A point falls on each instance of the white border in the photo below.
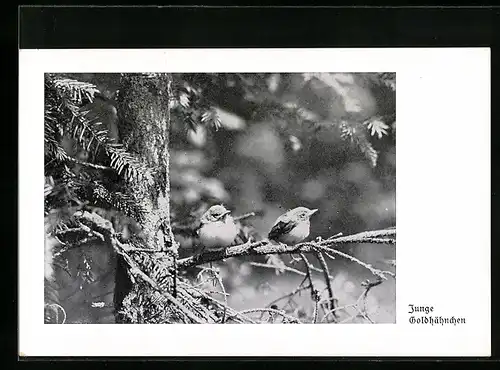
(443, 207)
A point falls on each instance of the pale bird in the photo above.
(217, 228)
(293, 226)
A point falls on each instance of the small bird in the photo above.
(217, 228)
(293, 226)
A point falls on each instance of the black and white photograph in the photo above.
(232, 165)
(220, 198)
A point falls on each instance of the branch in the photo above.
(291, 294)
(284, 268)
(368, 285)
(135, 270)
(244, 216)
(379, 273)
(271, 310)
(195, 306)
(233, 313)
(314, 292)
(88, 164)
(103, 228)
(326, 273)
(106, 228)
(216, 275)
(264, 247)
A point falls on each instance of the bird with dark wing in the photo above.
(293, 226)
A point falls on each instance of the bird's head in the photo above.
(215, 213)
(302, 213)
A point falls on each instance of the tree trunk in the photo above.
(144, 122)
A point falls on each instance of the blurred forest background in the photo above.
(266, 143)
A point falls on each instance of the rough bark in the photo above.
(144, 122)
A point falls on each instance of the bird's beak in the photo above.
(312, 211)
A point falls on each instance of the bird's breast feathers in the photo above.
(218, 233)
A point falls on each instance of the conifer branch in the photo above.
(264, 247)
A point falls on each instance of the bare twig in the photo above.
(379, 241)
(315, 312)
(217, 277)
(368, 286)
(318, 270)
(281, 313)
(217, 292)
(309, 277)
(331, 312)
(284, 268)
(361, 311)
(300, 273)
(88, 164)
(324, 266)
(291, 294)
(328, 255)
(374, 271)
(243, 216)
